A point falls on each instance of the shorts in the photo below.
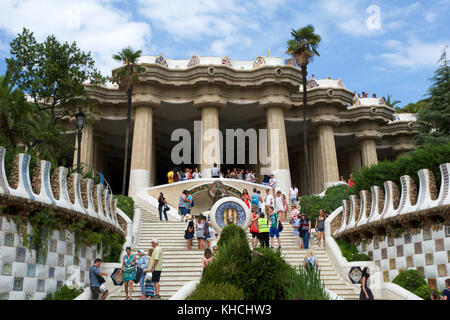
(255, 234)
(156, 275)
(320, 229)
(183, 211)
(274, 232)
(189, 236)
(97, 290)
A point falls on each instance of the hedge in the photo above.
(412, 281)
(350, 252)
(422, 158)
(126, 204)
(311, 204)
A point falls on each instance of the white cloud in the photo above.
(96, 26)
(414, 54)
(225, 24)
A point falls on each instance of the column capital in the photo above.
(209, 101)
(149, 104)
(275, 102)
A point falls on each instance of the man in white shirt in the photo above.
(293, 195)
(268, 200)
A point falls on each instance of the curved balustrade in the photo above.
(59, 192)
(378, 207)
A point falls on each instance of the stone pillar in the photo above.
(329, 165)
(355, 161)
(141, 154)
(210, 142)
(87, 146)
(279, 160)
(369, 152)
(153, 167)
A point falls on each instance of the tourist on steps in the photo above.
(183, 204)
(245, 197)
(263, 227)
(156, 264)
(207, 235)
(128, 272)
(94, 280)
(254, 227)
(200, 234)
(366, 293)
(268, 200)
(306, 230)
(320, 227)
(295, 223)
(215, 172)
(311, 262)
(142, 263)
(161, 206)
(207, 258)
(189, 232)
(274, 227)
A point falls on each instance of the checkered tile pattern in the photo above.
(21, 278)
(428, 252)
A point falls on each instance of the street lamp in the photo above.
(80, 117)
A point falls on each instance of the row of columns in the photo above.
(322, 150)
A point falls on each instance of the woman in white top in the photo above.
(196, 174)
(279, 203)
(268, 200)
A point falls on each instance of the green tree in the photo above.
(52, 74)
(389, 102)
(126, 76)
(414, 107)
(303, 47)
(436, 118)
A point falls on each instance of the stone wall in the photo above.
(22, 278)
(427, 251)
(403, 229)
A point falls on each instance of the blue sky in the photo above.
(396, 56)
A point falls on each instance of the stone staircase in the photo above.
(181, 265)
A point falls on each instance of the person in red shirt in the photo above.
(350, 181)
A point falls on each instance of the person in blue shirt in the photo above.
(95, 285)
(142, 263)
(446, 292)
(256, 198)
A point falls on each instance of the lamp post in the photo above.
(80, 117)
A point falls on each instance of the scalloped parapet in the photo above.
(75, 194)
(444, 194)
(377, 209)
(364, 208)
(377, 203)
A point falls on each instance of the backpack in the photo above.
(255, 199)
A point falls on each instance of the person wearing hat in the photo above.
(142, 263)
(156, 264)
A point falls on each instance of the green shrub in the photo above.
(65, 293)
(230, 231)
(422, 158)
(217, 291)
(310, 204)
(411, 281)
(424, 292)
(350, 252)
(126, 204)
(305, 285)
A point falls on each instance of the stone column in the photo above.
(355, 160)
(279, 160)
(329, 166)
(369, 152)
(87, 146)
(153, 167)
(210, 142)
(141, 154)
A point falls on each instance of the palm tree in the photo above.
(390, 103)
(303, 47)
(126, 76)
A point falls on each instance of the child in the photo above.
(207, 258)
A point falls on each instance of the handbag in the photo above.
(101, 280)
(139, 273)
(116, 277)
(166, 207)
(280, 227)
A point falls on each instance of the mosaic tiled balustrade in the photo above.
(402, 230)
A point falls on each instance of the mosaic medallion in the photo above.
(355, 274)
(226, 61)
(40, 285)
(31, 270)
(340, 83)
(311, 83)
(7, 268)
(161, 60)
(9, 239)
(259, 62)
(20, 254)
(18, 284)
(193, 61)
(230, 212)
